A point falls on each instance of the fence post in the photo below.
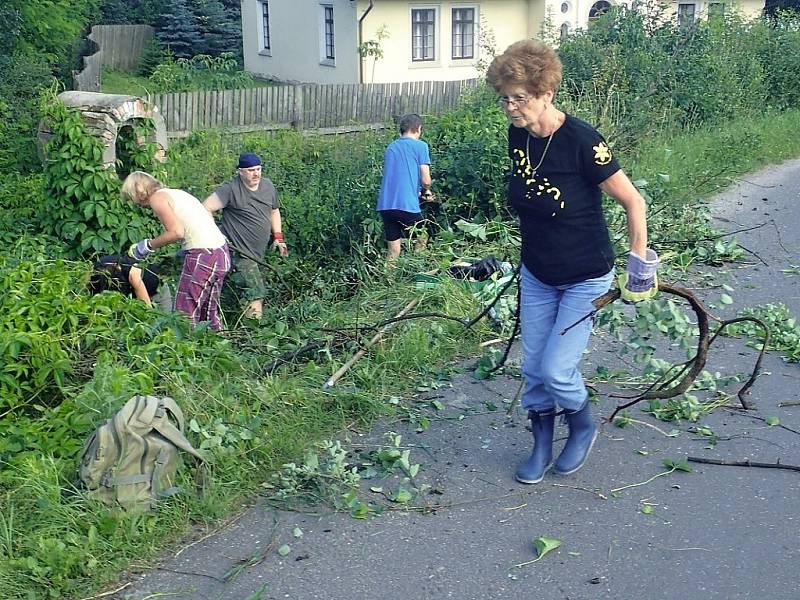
(297, 107)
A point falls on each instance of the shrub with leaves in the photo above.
(54, 332)
(20, 217)
(22, 79)
(644, 74)
(776, 43)
(200, 72)
(470, 158)
(82, 205)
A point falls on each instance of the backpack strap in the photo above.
(129, 426)
(162, 424)
(203, 473)
(169, 431)
(169, 405)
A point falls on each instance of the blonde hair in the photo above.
(529, 63)
(139, 186)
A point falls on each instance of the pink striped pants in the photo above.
(200, 284)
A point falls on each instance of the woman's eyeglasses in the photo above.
(522, 100)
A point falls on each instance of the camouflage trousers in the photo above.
(246, 276)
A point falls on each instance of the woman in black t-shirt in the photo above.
(120, 274)
(560, 167)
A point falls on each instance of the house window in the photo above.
(266, 44)
(716, 10)
(564, 30)
(327, 16)
(463, 33)
(598, 9)
(685, 14)
(423, 34)
(564, 7)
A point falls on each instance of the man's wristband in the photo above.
(277, 236)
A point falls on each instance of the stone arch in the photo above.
(105, 115)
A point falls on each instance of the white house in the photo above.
(301, 40)
(318, 40)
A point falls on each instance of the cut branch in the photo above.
(376, 338)
(689, 371)
(742, 463)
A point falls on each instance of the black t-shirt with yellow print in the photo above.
(564, 232)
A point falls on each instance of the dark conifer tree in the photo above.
(221, 30)
(178, 30)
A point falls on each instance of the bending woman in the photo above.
(120, 274)
(560, 167)
(207, 258)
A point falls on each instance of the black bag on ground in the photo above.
(480, 270)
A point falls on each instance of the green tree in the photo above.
(49, 27)
(220, 28)
(11, 25)
(117, 12)
(139, 12)
(22, 78)
(178, 30)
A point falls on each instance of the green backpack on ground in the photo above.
(131, 460)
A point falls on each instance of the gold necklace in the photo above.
(544, 153)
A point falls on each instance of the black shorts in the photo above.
(397, 223)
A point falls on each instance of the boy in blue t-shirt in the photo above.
(406, 176)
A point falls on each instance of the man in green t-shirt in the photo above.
(250, 212)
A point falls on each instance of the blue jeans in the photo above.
(550, 360)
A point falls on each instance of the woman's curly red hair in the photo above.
(528, 63)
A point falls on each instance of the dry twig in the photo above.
(742, 463)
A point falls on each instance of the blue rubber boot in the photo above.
(582, 434)
(533, 469)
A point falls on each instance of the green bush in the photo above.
(22, 79)
(637, 75)
(21, 199)
(776, 43)
(154, 54)
(719, 76)
(201, 72)
(82, 205)
(470, 156)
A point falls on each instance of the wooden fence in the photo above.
(118, 47)
(121, 46)
(305, 106)
(88, 79)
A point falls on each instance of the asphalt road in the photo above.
(718, 532)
